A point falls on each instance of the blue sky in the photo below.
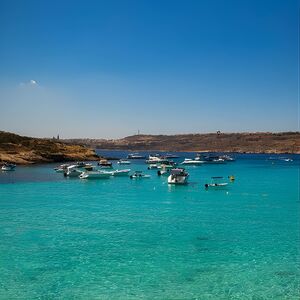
(110, 68)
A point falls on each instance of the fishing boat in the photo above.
(135, 156)
(124, 162)
(216, 182)
(192, 162)
(178, 176)
(105, 164)
(95, 175)
(8, 167)
(124, 172)
(139, 175)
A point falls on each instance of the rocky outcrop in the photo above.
(25, 150)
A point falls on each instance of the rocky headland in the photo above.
(26, 150)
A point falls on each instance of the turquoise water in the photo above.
(124, 239)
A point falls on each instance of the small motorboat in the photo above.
(8, 167)
(124, 172)
(124, 162)
(139, 175)
(285, 159)
(192, 162)
(153, 166)
(156, 159)
(178, 176)
(217, 182)
(227, 157)
(209, 159)
(105, 164)
(62, 168)
(170, 155)
(135, 156)
(72, 171)
(164, 170)
(95, 175)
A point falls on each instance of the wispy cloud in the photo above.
(31, 82)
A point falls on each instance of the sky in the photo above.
(108, 69)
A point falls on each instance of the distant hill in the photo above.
(24, 150)
(258, 142)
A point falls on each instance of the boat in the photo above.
(227, 157)
(135, 156)
(95, 175)
(168, 165)
(124, 162)
(164, 170)
(192, 162)
(170, 155)
(285, 159)
(178, 176)
(105, 164)
(153, 166)
(8, 167)
(124, 172)
(156, 159)
(216, 182)
(62, 168)
(72, 171)
(139, 175)
(210, 159)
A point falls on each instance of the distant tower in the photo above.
(138, 132)
(58, 137)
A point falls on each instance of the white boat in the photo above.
(105, 164)
(124, 162)
(139, 175)
(156, 159)
(153, 166)
(95, 175)
(72, 171)
(124, 172)
(192, 162)
(164, 170)
(8, 167)
(178, 176)
(135, 156)
(216, 182)
(209, 159)
(62, 168)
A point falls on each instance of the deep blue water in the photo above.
(123, 239)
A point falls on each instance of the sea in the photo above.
(119, 238)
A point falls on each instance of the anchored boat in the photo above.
(216, 182)
(178, 176)
(8, 167)
(95, 175)
(124, 172)
(139, 175)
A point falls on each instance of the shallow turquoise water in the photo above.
(123, 239)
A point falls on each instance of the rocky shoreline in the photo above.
(25, 150)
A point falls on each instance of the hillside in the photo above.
(284, 142)
(25, 150)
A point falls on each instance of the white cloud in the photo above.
(31, 82)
